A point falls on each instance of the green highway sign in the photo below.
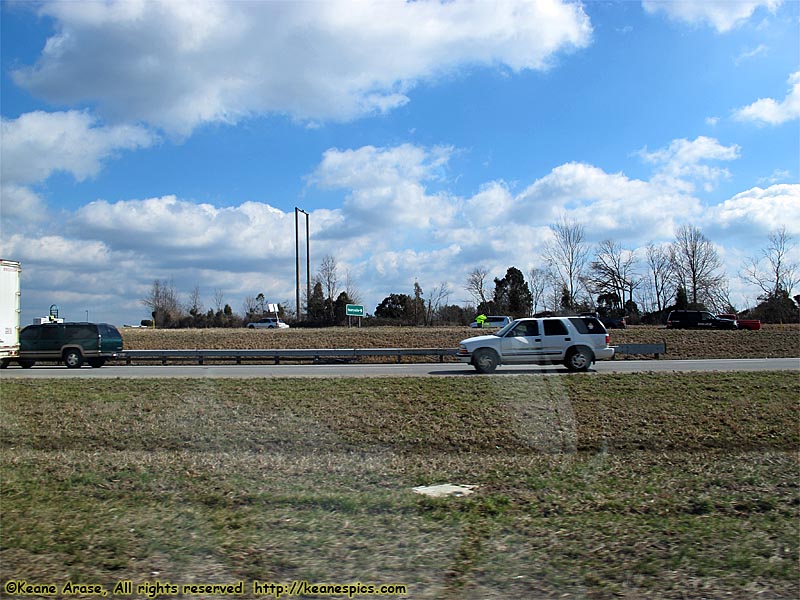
(354, 310)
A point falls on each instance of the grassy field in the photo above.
(600, 486)
(773, 341)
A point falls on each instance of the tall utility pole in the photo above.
(297, 258)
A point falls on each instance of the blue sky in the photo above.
(169, 140)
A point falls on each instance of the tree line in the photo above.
(573, 276)
(643, 286)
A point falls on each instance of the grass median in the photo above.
(674, 485)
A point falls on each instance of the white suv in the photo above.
(577, 342)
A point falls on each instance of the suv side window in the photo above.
(30, 334)
(554, 327)
(108, 330)
(50, 333)
(588, 324)
(526, 329)
(79, 332)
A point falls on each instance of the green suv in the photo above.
(72, 343)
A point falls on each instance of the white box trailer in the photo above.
(9, 310)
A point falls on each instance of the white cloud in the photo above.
(20, 203)
(749, 53)
(36, 144)
(386, 186)
(57, 250)
(405, 231)
(723, 15)
(179, 64)
(182, 233)
(680, 164)
(762, 210)
(772, 112)
(776, 176)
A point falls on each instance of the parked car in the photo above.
(495, 322)
(609, 322)
(71, 343)
(698, 319)
(268, 323)
(577, 342)
(751, 324)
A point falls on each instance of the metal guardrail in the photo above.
(642, 349)
(276, 354)
(328, 354)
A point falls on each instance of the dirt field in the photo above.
(772, 341)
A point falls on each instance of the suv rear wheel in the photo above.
(73, 358)
(578, 359)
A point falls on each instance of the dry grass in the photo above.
(603, 486)
(773, 341)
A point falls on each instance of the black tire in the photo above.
(73, 359)
(26, 364)
(96, 363)
(251, 326)
(579, 359)
(3, 363)
(485, 360)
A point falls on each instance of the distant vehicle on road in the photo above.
(609, 322)
(491, 322)
(698, 319)
(268, 323)
(751, 324)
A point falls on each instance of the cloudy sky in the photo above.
(147, 140)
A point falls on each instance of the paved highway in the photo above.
(393, 370)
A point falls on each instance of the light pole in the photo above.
(297, 259)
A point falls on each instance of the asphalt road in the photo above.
(393, 370)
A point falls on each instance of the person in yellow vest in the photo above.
(480, 320)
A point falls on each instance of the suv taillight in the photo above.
(608, 339)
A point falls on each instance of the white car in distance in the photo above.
(267, 323)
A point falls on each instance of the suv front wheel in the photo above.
(485, 360)
(578, 359)
(73, 358)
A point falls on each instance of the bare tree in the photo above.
(567, 255)
(613, 271)
(537, 283)
(162, 300)
(696, 264)
(476, 284)
(350, 288)
(328, 276)
(437, 297)
(219, 298)
(660, 275)
(774, 271)
(195, 305)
